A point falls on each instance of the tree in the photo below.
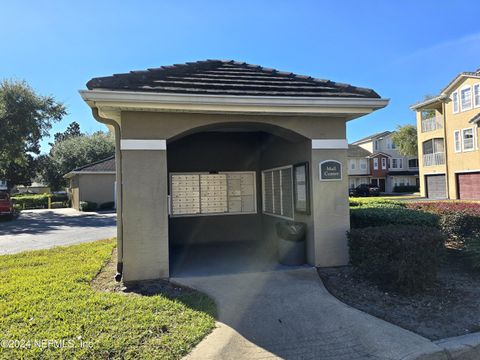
(72, 130)
(405, 139)
(73, 152)
(25, 118)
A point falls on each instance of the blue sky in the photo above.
(402, 49)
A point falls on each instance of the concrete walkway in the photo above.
(288, 314)
(42, 229)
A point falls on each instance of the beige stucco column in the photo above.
(145, 209)
(330, 208)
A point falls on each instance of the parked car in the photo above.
(6, 205)
(365, 190)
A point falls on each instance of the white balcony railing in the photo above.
(432, 124)
(434, 159)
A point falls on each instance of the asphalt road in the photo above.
(42, 229)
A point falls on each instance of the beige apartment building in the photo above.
(448, 131)
(211, 155)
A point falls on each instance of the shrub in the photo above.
(406, 189)
(88, 206)
(472, 250)
(446, 207)
(458, 226)
(107, 205)
(375, 202)
(361, 217)
(405, 257)
(37, 201)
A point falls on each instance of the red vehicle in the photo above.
(6, 205)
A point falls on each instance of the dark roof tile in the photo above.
(107, 164)
(226, 77)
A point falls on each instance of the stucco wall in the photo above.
(75, 192)
(331, 211)
(279, 152)
(147, 125)
(145, 215)
(98, 188)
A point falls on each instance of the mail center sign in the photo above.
(330, 170)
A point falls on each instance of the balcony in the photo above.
(434, 159)
(432, 124)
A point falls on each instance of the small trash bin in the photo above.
(291, 242)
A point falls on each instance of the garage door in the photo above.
(436, 186)
(469, 186)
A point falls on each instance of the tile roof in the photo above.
(371, 137)
(226, 77)
(357, 151)
(104, 165)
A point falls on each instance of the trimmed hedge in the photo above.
(38, 201)
(375, 203)
(404, 257)
(88, 206)
(406, 189)
(446, 207)
(459, 220)
(472, 250)
(361, 217)
(459, 226)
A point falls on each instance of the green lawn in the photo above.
(47, 295)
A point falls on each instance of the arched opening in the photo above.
(221, 215)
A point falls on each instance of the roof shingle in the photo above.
(104, 165)
(226, 77)
(357, 151)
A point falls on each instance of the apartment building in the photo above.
(375, 159)
(448, 145)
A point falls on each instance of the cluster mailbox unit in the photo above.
(193, 194)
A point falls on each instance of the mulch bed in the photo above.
(449, 308)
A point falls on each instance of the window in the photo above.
(413, 163)
(375, 163)
(376, 145)
(433, 146)
(476, 95)
(457, 140)
(393, 145)
(466, 98)
(352, 163)
(468, 139)
(455, 102)
(278, 192)
(397, 164)
(384, 164)
(195, 194)
(401, 181)
(363, 164)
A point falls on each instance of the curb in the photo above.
(465, 347)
